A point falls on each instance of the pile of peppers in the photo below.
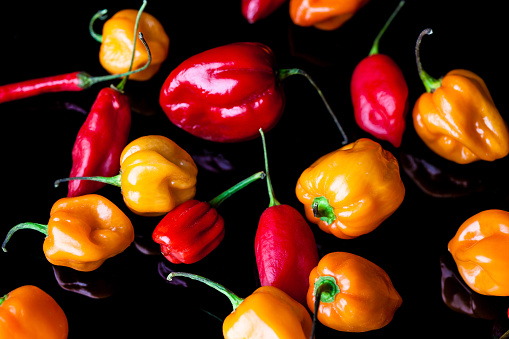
(231, 94)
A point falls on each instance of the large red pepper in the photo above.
(285, 246)
(254, 10)
(193, 229)
(226, 94)
(380, 94)
(102, 138)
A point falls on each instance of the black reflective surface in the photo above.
(128, 296)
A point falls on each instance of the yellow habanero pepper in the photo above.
(82, 232)
(118, 37)
(267, 313)
(457, 118)
(324, 14)
(479, 249)
(155, 175)
(351, 191)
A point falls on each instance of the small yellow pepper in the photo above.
(351, 191)
(479, 249)
(267, 313)
(457, 118)
(324, 14)
(82, 232)
(155, 175)
(117, 41)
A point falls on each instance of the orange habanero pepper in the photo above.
(351, 191)
(355, 295)
(457, 118)
(118, 37)
(324, 14)
(267, 313)
(30, 313)
(479, 249)
(82, 232)
(155, 175)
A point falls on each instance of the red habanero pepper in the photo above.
(226, 94)
(193, 229)
(102, 137)
(380, 93)
(285, 246)
(254, 10)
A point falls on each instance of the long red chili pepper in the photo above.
(380, 94)
(103, 136)
(285, 246)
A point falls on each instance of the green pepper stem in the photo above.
(2, 299)
(505, 335)
(226, 194)
(374, 48)
(26, 225)
(273, 201)
(325, 290)
(101, 15)
(430, 83)
(234, 299)
(323, 210)
(284, 73)
(115, 181)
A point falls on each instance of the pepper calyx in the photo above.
(323, 210)
(326, 289)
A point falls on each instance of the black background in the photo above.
(49, 38)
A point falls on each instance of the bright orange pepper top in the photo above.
(84, 231)
(117, 44)
(324, 14)
(359, 186)
(480, 251)
(156, 175)
(365, 297)
(30, 313)
(459, 120)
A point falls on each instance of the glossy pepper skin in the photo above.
(285, 246)
(254, 10)
(479, 249)
(193, 229)
(83, 232)
(326, 15)
(100, 141)
(267, 313)
(28, 312)
(356, 296)
(457, 118)
(351, 191)
(117, 44)
(380, 94)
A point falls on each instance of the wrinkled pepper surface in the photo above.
(28, 312)
(116, 41)
(351, 191)
(267, 313)
(356, 295)
(457, 118)
(479, 249)
(82, 232)
(254, 10)
(324, 14)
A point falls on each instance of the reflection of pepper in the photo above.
(194, 228)
(117, 46)
(98, 284)
(268, 311)
(351, 191)
(457, 118)
(324, 14)
(355, 294)
(82, 232)
(285, 247)
(380, 94)
(479, 249)
(226, 94)
(30, 313)
(254, 10)
(155, 175)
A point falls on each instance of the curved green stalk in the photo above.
(226, 194)
(430, 83)
(115, 181)
(273, 201)
(23, 226)
(374, 48)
